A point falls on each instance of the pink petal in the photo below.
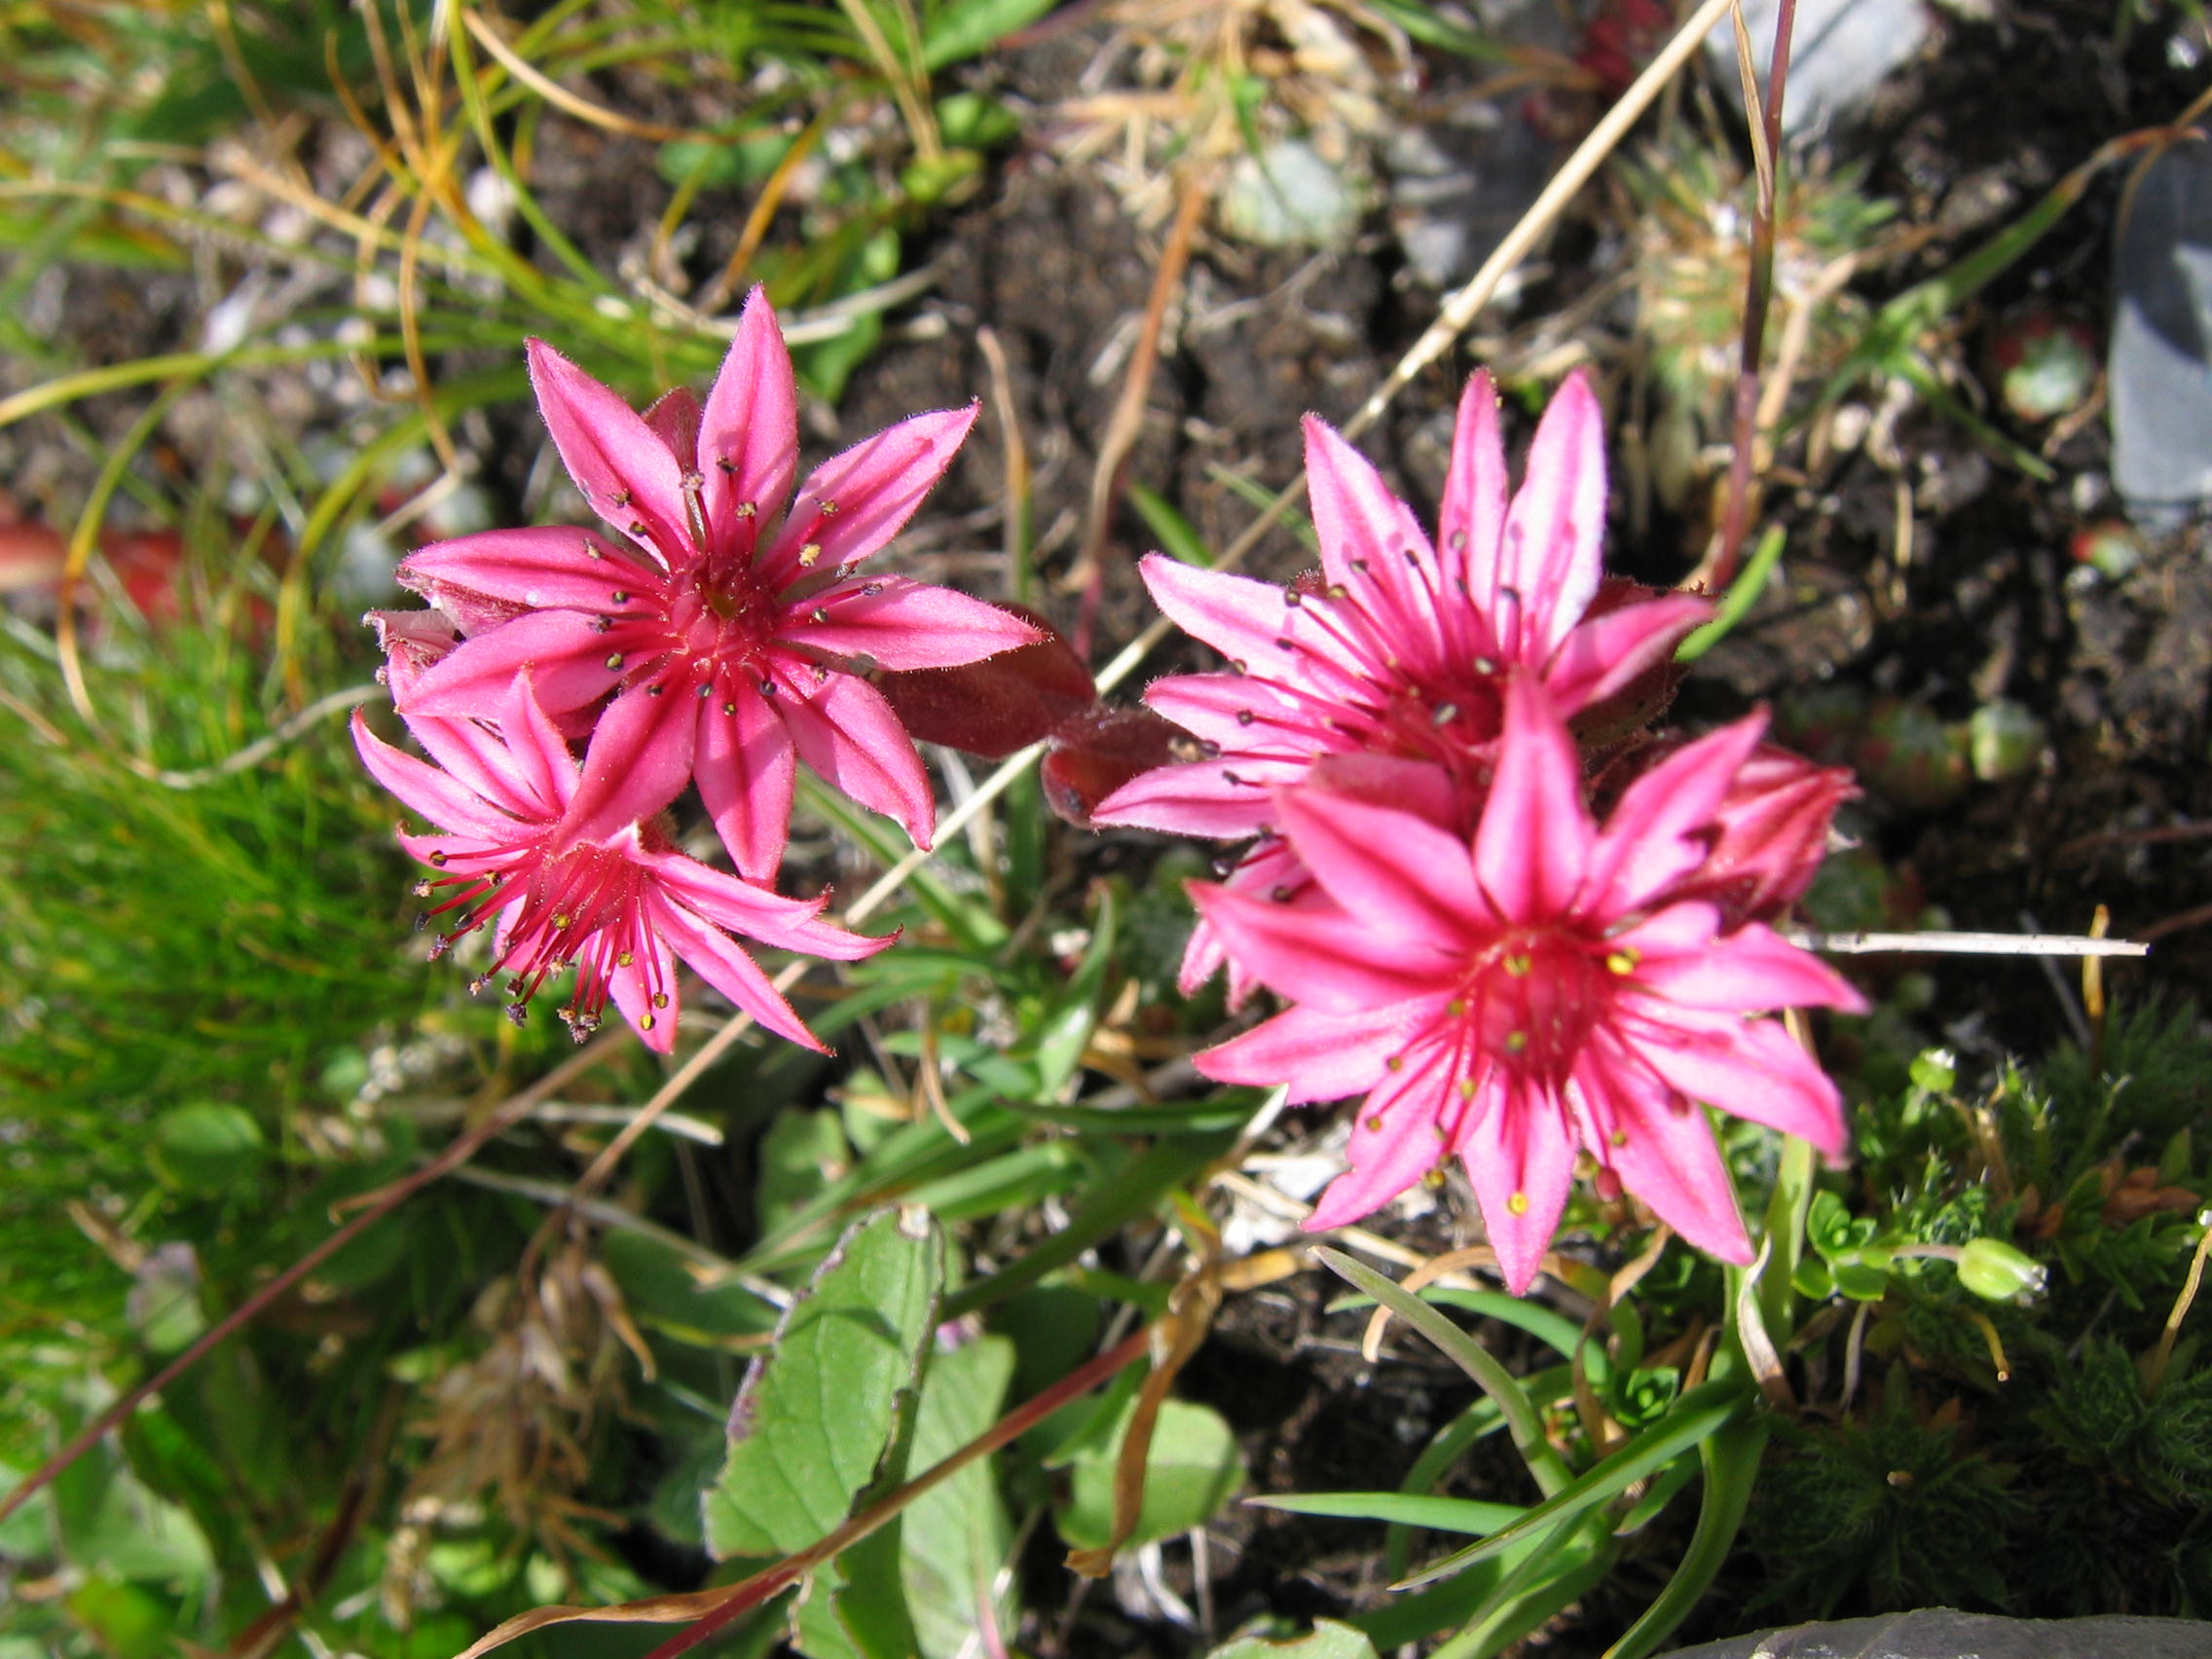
(1472, 516)
(742, 906)
(854, 502)
(1602, 655)
(724, 964)
(749, 436)
(1269, 868)
(1406, 878)
(621, 465)
(1394, 1141)
(549, 569)
(1747, 971)
(1536, 836)
(1423, 788)
(1205, 797)
(651, 969)
(849, 735)
(423, 789)
(638, 761)
(1321, 1056)
(568, 663)
(1371, 544)
(1329, 959)
(1549, 556)
(1239, 713)
(1662, 826)
(1749, 1069)
(674, 420)
(1662, 1148)
(1244, 621)
(537, 749)
(899, 624)
(746, 767)
(478, 759)
(1521, 1158)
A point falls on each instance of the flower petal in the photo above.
(1244, 621)
(1472, 515)
(1521, 1158)
(1241, 713)
(854, 502)
(901, 624)
(1204, 797)
(638, 761)
(745, 766)
(749, 433)
(422, 789)
(849, 735)
(1549, 558)
(1750, 970)
(1394, 1141)
(1749, 1069)
(673, 417)
(1320, 956)
(552, 568)
(1321, 1056)
(724, 964)
(1662, 1148)
(1372, 546)
(566, 659)
(649, 973)
(1602, 655)
(477, 758)
(1661, 828)
(1535, 835)
(621, 465)
(1411, 881)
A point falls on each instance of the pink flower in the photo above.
(1403, 647)
(733, 632)
(1543, 987)
(621, 905)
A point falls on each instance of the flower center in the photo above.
(723, 625)
(1531, 997)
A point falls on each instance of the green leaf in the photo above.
(1477, 1362)
(1401, 1509)
(964, 28)
(205, 1148)
(1179, 537)
(1731, 1463)
(814, 1420)
(803, 1151)
(1329, 1640)
(1067, 1029)
(957, 1534)
(1191, 1469)
(1111, 1203)
(1701, 1413)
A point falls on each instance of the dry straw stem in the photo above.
(1967, 944)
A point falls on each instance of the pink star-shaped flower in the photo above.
(733, 632)
(1541, 988)
(1402, 648)
(621, 905)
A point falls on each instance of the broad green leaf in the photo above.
(1329, 1640)
(814, 1418)
(205, 1148)
(1402, 1509)
(957, 1534)
(1191, 1469)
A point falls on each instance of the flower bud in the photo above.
(1772, 829)
(1998, 1273)
(998, 704)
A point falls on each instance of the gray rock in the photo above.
(2160, 370)
(1840, 51)
(1938, 1633)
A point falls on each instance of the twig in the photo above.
(262, 747)
(1938, 943)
